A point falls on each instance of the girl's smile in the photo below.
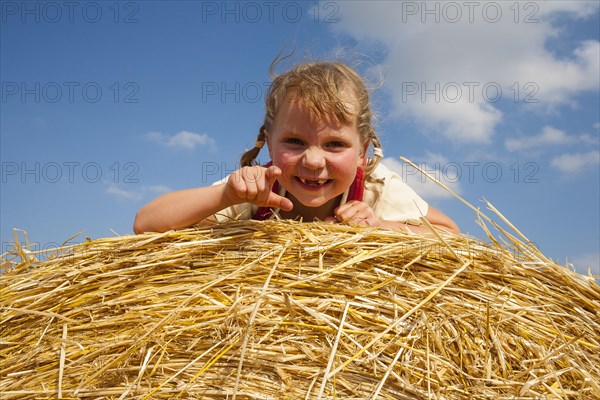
(312, 184)
(318, 156)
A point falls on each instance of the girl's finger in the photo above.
(250, 180)
(237, 183)
(347, 211)
(264, 183)
(276, 201)
(271, 174)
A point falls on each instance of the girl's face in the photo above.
(318, 156)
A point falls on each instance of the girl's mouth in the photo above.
(313, 183)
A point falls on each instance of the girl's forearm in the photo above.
(434, 217)
(420, 229)
(180, 209)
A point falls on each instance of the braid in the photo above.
(377, 153)
(249, 157)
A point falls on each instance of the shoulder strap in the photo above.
(357, 189)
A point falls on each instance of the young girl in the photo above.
(318, 130)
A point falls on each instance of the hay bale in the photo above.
(285, 310)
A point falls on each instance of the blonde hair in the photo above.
(324, 87)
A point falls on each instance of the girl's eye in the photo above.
(293, 141)
(337, 144)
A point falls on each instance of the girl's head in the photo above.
(331, 91)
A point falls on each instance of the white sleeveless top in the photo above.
(390, 198)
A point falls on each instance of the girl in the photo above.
(318, 130)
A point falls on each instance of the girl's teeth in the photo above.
(313, 183)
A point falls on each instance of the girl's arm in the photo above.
(180, 209)
(185, 208)
(360, 213)
(434, 216)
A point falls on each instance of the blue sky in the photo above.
(106, 105)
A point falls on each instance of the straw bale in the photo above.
(289, 310)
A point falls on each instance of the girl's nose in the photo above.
(313, 158)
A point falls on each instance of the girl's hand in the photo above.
(357, 213)
(253, 185)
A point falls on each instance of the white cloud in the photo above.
(138, 194)
(157, 189)
(447, 74)
(183, 140)
(586, 263)
(548, 137)
(589, 139)
(574, 163)
(434, 164)
(579, 9)
(476, 123)
(122, 194)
